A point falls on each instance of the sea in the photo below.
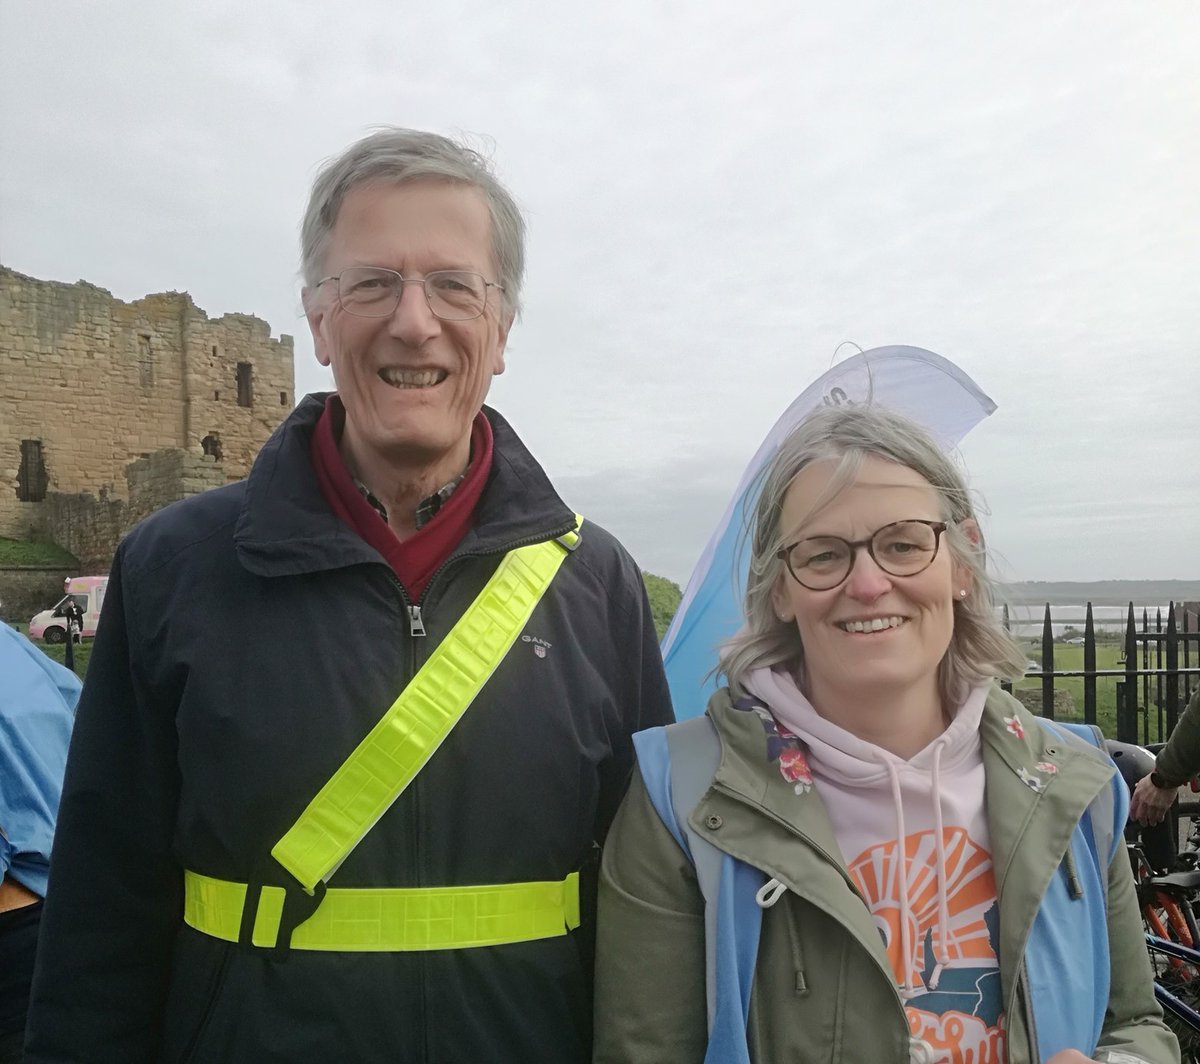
(1027, 620)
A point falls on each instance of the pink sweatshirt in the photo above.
(937, 910)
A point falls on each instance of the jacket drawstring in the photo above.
(1074, 886)
(769, 893)
(766, 896)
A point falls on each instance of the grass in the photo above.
(24, 552)
(83, 651)
(1108, 656)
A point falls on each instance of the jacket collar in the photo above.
(286, 528)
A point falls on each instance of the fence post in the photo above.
(1047, 666)
(1145, 703)
(1089, 669)
(1158, 677)
(1172, 684)
(1187, 654)
(1127, 726)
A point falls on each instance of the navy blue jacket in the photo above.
(249, 641)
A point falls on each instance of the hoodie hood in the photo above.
(835, 752)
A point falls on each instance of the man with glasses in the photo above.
(354, 728)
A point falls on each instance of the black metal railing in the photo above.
(1159, 666)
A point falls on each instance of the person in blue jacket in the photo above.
(37, 709)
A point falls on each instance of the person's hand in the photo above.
(1149, 803)
(1070, 1056)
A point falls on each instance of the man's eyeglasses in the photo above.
(903, 548)
(373, 292)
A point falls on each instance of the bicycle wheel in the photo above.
(1177, 987)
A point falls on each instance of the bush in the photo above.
(664, 598)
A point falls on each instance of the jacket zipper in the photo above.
(416, 630)
(416, 625)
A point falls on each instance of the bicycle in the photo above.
(1168, 885)
(1177, 991)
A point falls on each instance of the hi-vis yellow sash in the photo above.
(309, 916)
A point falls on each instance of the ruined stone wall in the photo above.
(96, 382)
(91, 526)
(166, 477)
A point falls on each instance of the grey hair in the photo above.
(393, 155)
(979, 648)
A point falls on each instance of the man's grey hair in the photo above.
(396, 156)
(980, 648)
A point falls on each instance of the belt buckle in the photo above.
(299, 904)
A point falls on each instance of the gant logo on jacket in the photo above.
(540, 646)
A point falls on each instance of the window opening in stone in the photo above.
(283, 398)
(211, 446)
(216, 395)
(145, 362)
(245, 390)
(31, 476)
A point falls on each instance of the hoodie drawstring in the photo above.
(907, 990)
(943, 905)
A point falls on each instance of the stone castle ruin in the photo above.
(110, 410)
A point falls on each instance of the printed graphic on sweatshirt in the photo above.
(957, 1006)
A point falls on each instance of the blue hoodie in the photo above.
(37, 710)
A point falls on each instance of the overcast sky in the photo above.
(718, 195)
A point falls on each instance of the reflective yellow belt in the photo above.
(309, 916)
(364, 919)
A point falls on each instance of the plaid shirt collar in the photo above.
(428, 507)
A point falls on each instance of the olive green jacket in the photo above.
(823, 988)
(1179, 760)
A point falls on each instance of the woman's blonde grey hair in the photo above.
(396, 156)
(979, 649)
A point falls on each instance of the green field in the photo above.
(1108, 656)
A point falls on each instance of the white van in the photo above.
(88, 592)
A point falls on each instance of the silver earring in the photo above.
(962, 593)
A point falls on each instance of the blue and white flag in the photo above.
(909, 380)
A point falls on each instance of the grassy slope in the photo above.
(20, 552)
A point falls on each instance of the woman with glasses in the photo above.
(865, 850)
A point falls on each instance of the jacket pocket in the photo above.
(200, 968)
